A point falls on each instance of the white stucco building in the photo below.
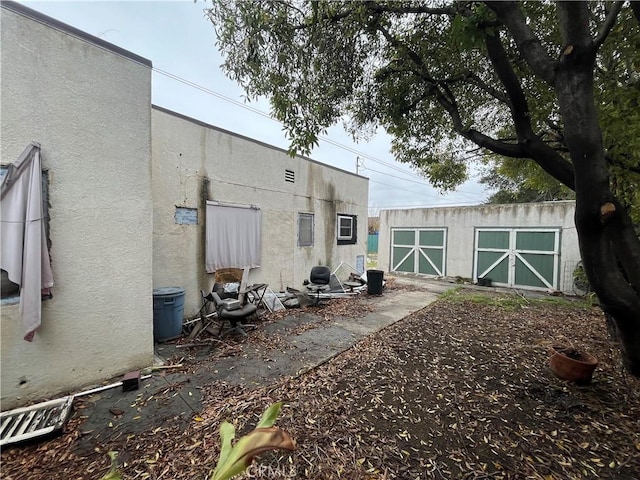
(128, 189)
(87, 104)
(300, 201)
(530, 246)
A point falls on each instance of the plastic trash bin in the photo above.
(168, 310)
(374, 282)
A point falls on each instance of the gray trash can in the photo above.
(168, 310)
(374, 282)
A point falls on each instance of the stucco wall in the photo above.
(461, 222)
(193, 162)
(89, 108)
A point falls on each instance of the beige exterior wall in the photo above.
(194, 162)
(462, 222)
(89, 108)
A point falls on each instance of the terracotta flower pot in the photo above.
(572, 365)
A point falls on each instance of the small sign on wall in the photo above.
(186, 216)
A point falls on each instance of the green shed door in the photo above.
(536, 259)
(418, 250)
(525, 258)
(493, 255)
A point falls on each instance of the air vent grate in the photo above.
(289, 176)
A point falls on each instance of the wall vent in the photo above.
(289, 176)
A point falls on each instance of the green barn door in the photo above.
(493, 255)
(536, 259)
(523, 258)
(403, 254)
(418, 251)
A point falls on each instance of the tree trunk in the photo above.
(609, 246)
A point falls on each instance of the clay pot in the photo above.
(572, 365)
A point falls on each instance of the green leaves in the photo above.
(113, 473)
(269, 416)
(234, 459)
(516, 180)
(421, 71)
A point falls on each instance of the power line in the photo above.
(266, 115)
(213, 93)
(360, 156)
(424, 183)
(434, 197)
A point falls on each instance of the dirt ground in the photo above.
(459, 390)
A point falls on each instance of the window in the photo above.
(8, 289)
(233, 236)
(305, 229)
(22, 172)
(347, 229)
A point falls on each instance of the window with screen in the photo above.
(347, 229)
(305, 229)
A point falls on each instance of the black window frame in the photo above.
(347, 239)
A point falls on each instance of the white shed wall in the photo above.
(89, 108)
(194, 162)
(461, 223)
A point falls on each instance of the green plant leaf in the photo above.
(235, 459)
(227, 434)
(113, 473)
(269, 416)
(254, 443)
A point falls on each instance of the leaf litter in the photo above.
(460, 389)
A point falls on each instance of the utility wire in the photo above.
(423, 183)
(359, 154)
(266, 115)
(434, 196)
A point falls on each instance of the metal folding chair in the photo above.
(205, 317)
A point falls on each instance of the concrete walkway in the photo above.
(176, 397)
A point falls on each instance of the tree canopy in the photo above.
(513, 181)
(550, 86)
(423, 73)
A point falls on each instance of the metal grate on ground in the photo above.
(37, 420)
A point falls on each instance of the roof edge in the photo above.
(244, 137)
(482, 205)
(76, 32)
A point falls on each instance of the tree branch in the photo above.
(510, 14)
(635, 8)
(573, 18)
(552, 162)
(532, 145)
(391, 8)
(616, 163)
(517, 101)
(313, 18)
(608, 24)
(494, 92)
(511, 150)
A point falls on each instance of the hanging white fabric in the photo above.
(234, 236)
(23, 245)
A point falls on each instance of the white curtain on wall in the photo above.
(233, 236)
(23, 244)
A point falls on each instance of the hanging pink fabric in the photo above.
(23, 245)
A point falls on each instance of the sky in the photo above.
(187, 78)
